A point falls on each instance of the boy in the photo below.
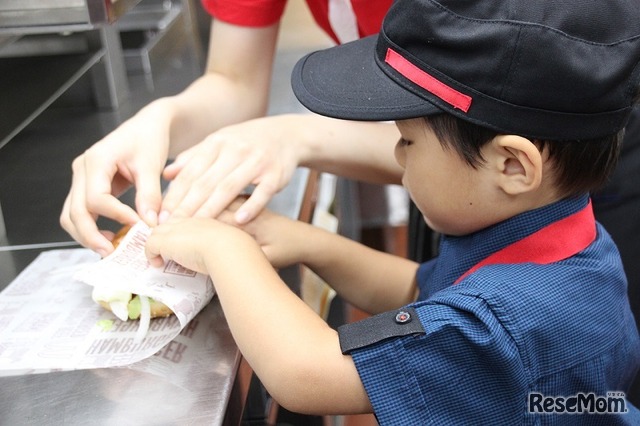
(510, 112)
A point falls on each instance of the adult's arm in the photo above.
(265, 152)
(235, 87)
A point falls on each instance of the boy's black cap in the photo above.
(549, 69)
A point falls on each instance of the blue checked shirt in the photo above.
(478, 349)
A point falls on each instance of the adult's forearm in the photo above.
(357, 150)
(234, 88)
(207, 105)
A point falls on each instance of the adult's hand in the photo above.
(207, 177)
(233, 89)
(265, 152)
(132, 155)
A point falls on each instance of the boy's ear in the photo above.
(518, 164)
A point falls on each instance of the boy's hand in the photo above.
(284, 241)
(197, 242)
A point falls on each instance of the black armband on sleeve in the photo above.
(401, 322)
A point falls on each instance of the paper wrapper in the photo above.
(49, 322)
(184, 291)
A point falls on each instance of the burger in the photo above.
(125, 305)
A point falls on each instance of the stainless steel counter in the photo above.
(120, 397)
(131, 395)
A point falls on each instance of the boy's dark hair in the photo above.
(580, 165)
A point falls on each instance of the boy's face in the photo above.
(452, 196)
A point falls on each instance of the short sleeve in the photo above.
(247, 13)
(464, 369)
(423, 279)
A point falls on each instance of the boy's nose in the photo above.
(399, 154)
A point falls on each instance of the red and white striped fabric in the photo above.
(342, 20)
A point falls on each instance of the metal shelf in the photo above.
(47, 46)
(148, 37)
(26, 91)
(33, 16)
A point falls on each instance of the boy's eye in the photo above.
(403, 142)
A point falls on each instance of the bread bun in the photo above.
(158, 309)
(120, 235)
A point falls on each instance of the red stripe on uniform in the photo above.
(553, 243)
(427, 81)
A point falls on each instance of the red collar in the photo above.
(557, 241)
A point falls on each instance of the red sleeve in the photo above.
(370, 15)
(246, 13)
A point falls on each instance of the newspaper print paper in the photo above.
(48, 321)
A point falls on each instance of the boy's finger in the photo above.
(256, 202)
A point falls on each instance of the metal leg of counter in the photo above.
(192, 30)
(110, 84)
(239, 392)
(153, 30)
(3, 229)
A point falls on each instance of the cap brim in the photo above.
(346, 82)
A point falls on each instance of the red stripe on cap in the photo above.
(427, 81)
